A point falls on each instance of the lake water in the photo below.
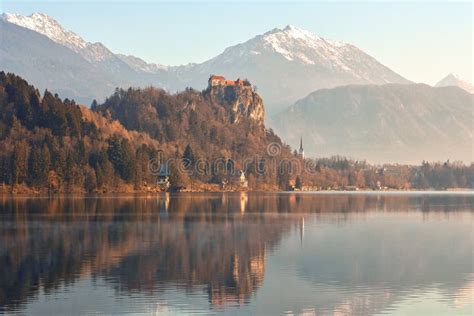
(238, 253)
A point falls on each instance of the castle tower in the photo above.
(301, 150)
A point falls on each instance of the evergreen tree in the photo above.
(90, 179)
(5, 168)
(189, 156)
(37, 173)
(94, 105)
(178, 179)
(20, 162)
(121, 155)
(283, 177)
(298, 183)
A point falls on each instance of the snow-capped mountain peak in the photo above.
(455, 80)
(453, 75)
(46, 25)
(49, 27)
(302, 46)
(291, 42)
(287, 63)
(298, 33)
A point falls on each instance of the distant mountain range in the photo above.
(386, 123)
(285, 64)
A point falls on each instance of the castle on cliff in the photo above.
(215, 81)
(238, 97)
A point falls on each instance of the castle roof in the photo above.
(222, 80)
(216, 77)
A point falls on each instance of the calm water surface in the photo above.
(268, 254)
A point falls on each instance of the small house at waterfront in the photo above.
(241, 179)
(163, 177)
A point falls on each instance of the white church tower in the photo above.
(301, 150)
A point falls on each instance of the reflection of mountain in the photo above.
(219, 244)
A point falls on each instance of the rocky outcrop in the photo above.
(240, 100)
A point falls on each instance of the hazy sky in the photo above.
(423, 41)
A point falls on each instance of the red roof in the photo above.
(222, 80)
(217, 77)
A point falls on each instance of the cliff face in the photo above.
(241, 101)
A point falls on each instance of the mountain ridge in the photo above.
(312, 63)
(285, 64)
(50, 65)
(49, 27)
(383, 123)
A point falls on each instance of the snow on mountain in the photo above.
(50, 65)
(304, 47)
(457, 81)
(298, 44)
(46, 25)
(95, 53)
(287, 64)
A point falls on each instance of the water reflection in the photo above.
(237, 253)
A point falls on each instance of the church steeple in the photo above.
(301, 150)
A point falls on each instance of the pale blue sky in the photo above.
(423, 41)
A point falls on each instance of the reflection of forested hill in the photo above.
(219, 243)
(59, 241)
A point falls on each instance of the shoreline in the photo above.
(24, 190)
(156, 193)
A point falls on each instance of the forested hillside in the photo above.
(209, 121)
(218, 126)
(54, 144)
(46, 142)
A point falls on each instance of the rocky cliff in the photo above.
(240, 100)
